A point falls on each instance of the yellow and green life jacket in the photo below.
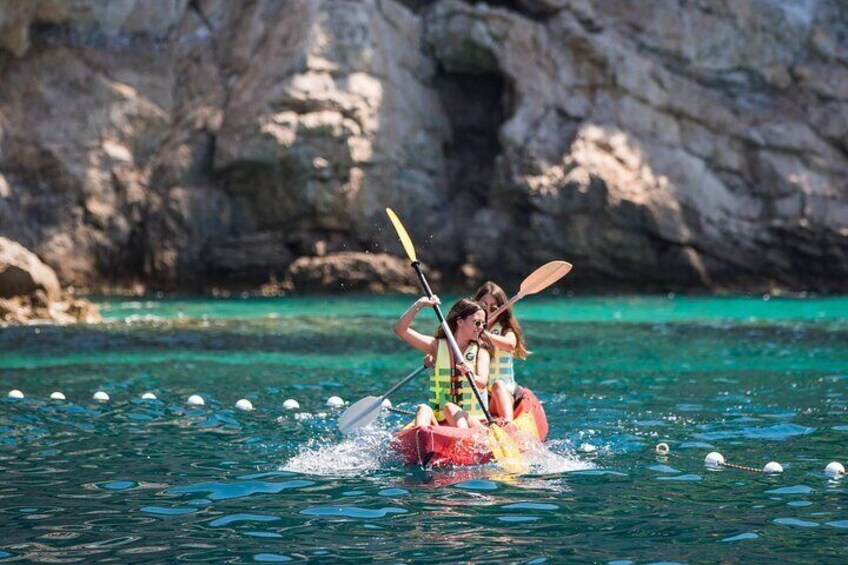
(449, 385)
(500, 368)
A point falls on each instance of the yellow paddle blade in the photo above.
(506, 451)
(544, 276)
(404, 237)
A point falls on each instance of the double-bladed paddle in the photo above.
(504, 448)
(538, 280)
(365, 411)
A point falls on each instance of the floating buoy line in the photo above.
(242, 404)
(335, 402)
(713, 460)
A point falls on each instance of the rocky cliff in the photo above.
(663, 144)
(30, 291)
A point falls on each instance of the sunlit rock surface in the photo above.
(30, 291)
(186, 144)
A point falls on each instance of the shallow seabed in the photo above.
(160, 481)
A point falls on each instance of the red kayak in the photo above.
(438, 446)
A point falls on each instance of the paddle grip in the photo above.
(451, 341)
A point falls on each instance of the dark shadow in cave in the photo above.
(477, 106)
(534, 11)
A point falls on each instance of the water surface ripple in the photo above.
(160, 481)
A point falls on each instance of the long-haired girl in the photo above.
(506, 336)
(451, 401)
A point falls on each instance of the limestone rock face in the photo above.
(372, 272)
(186, 144)
(665, 144)
(22, 273)
(30, 290)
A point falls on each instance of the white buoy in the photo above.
(662, 449)
(196, 400)
(335, 402)
(387, 403)
(148, 396)
(714, 460)
(834, 469)
(773, 467)
(57, 395)
(244, 404)
(15, 394)
(587, 448)
(100, 396)
(291, 404)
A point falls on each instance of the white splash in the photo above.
(355, 455)
(555, 457)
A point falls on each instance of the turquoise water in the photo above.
(160, 481)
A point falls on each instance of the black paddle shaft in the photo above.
(405, 380)
(457, 353)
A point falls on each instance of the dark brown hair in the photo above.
(462, 309)
(507, 320)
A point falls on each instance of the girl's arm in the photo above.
(506, 342)
(481, 370)
(401, 328)
(482, 376)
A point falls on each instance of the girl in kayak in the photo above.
(504, 332)
(452, 400)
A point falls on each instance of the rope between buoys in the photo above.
(740, 467)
